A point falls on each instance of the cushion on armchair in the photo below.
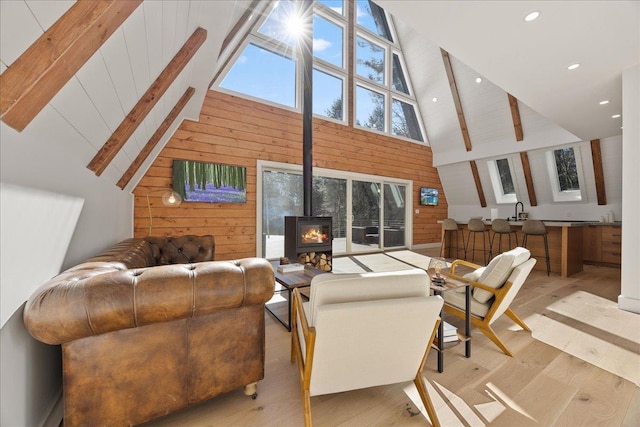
(496, 273)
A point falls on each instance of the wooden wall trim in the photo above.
(515, 116)
(155, 138)
(526, 167)
(33, 79)
(456, 99)
(598, 171)
(151, 97)
(476, 179)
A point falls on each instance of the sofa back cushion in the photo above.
(181, 249)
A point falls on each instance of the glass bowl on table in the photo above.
(438, 270)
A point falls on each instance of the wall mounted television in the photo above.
(209, 182)
(429, 196)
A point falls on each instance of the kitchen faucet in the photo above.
(515, 217)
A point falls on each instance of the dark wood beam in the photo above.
(515, 116)
(598, 171)
(155, 138)
(33, 79)
(526, 167)
(151, 97)
(476, 179)
(456, 99)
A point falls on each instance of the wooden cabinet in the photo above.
(592, 247)
(602, 244)
(612, 244)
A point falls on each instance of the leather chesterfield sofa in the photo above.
(153, 325)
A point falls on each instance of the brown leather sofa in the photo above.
(153, 325)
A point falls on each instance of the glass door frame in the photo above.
(263, 165)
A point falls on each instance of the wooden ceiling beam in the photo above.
(526, 167)
(515, 116)
(155, 138)
(598, 171)
(33, 79)
(131, 122)
(476, 179)
(456, 99)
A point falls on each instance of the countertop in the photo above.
(555, 223)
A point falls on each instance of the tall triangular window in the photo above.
(267, 66)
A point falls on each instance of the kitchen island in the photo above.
(565, 240)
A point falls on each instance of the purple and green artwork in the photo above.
(209, 182)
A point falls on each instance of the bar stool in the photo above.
(534, 227)
(500, 227)
(476, 226)
(450, 228)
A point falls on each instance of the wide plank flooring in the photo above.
(579, 367)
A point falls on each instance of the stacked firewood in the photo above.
(319, 260)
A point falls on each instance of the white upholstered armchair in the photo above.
(364, 330)
(494, 288)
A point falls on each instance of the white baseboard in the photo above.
(55, 413)
(426, 246)
(628, 304)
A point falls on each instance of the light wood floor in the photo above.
(579, 367)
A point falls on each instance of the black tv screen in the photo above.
(429, 196)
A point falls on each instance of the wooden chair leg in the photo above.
(513, 316)
(486, 329)
(426, 400)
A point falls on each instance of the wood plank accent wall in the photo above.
(238, 131)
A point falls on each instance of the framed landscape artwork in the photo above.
(209, 182)
(429, 196)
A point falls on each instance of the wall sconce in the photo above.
(170, 198)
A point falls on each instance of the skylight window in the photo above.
(372, 17)
(263, 74)
(564, 172)
(327, 41)
(501, 174)
(370, 60)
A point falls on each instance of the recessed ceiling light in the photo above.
(531, 16)
(434, 99)
(606, 101)
(478, 79)
(573, 66)
(615, 116)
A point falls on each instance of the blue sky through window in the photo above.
(327, 95)
(335, 5)
(327, 41)
(263, 74)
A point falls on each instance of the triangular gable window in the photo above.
(372, 17)
(267, 67)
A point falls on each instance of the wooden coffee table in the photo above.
(286, 283)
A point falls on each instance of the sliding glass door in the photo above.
(368, 214)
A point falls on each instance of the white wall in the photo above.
(629, 298)
(46, 156)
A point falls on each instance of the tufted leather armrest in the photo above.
(99, 297)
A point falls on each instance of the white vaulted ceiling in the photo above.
(97, 99)
(487, 39)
